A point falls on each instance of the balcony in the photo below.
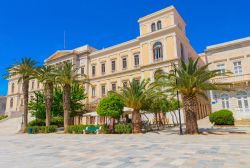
(158, 60)
(233, 79)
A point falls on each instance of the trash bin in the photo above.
(30, 131)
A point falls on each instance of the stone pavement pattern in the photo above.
(147, 150)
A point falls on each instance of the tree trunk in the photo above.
(156, 121)
(66, 106)
(177, 120)
(25, 103)
(111, 124)
(136, 121)
(171, 113)
(48, 101)
(190, 105)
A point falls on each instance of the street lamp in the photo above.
(178, 99)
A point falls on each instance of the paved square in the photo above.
(145, 150)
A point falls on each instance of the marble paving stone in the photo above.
(111, 151)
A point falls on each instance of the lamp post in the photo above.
(178, 101)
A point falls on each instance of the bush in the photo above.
(3, 117)
(222, 117)
(123, 128)
(36, 122)
(77, 129)
(105, 129)
(58, 121)
(42, 129)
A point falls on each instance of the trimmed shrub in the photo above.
(77, 129)
(123, 128)
(58, 121)
(105, 129)
(42, 129)
(222, 117)
(36, 122)
(3, 117)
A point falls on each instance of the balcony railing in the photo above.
(158, 60)
(232, 79)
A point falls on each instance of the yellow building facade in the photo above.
(162, 41)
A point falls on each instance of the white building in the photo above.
(233, 56)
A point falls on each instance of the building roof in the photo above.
(228, 44)
(59, 54)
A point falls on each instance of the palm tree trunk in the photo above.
(25, 89)
(136, 121)
(66, 106)
(48, 101)
(190, 104)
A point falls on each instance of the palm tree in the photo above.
(46, 75)
(66, 76)
(135, 96)
(192, 80)
(24, 70)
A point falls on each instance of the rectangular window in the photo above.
(82, 70)
(32, 85)
(103, 90)
(113, 65)
(103, 68)
(221, 67)
(93, 70)
(113, 87)
(237, 68)
(124, 63)
(93, 91)
(136, 60)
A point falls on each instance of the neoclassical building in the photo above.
(233, 56)
(162, 42)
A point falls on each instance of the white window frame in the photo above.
(237, 67)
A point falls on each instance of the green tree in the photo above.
(24, 70)
(67, 75)
(192, 80)
(37, 105)
(135, 96)
(46, 76)
(110, 106)
(77, 96)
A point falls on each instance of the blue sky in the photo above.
(34, 28)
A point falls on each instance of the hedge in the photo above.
(36, 122)
(42, 129)
(3, 117)
(123, 128)
(222, 117)
(77, 129)
(58, 121)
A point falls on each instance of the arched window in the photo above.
(157, 51)
(11, 103)
(182, 52)
(242, 101)
(12, 88)
(153, 28)
(225, 101)
(159, 25)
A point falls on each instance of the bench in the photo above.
(92, 130)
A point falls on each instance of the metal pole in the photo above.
(179, 110)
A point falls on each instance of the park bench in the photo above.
(92, 130)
